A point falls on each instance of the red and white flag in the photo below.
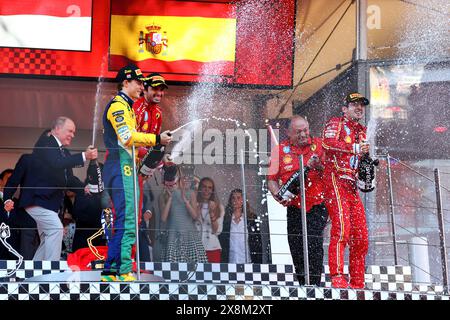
(46, 24)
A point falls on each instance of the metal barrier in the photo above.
(399, 230)
(435, 210)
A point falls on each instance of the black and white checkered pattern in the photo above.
(206, 281)
(193, 291)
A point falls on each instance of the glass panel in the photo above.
(445, 194)
(409, 119)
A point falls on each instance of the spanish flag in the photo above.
(173, 36)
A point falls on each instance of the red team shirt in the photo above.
(148, 119)
(148, 116)
(288, 164)
(340, 139)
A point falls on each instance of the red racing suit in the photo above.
(341, 138)
(283, 166)
(148, 120)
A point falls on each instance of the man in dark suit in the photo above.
(43, 191)
(19, 220)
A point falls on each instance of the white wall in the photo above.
(279, 245)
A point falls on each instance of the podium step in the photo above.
(47, 280)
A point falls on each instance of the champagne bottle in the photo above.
(366, 173)
(291, 187)
(94, 177)
(152, 159)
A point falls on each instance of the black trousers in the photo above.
(316, 220)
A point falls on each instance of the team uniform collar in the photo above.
(126, 97)
(347, 120)
(151, 104)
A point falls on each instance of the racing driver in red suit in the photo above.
(146, 108)
(344, 141)
(149, 117)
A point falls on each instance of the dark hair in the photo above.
(5, 172)
(229, 207)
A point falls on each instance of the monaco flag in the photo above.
(46, 24)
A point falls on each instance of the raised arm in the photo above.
(165, 202)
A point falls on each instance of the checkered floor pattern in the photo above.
(179, 291)
(212, 282)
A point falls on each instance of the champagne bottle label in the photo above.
(94, 177)
(292, 185)
(366, 173)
